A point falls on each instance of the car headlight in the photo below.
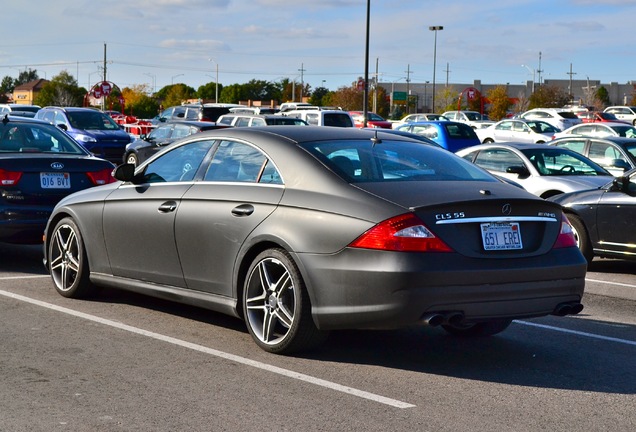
(85, 138)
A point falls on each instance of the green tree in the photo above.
(208, 91)
(62, 90)
(499, 102)
(176, 94)
(603, 96)
(318, 95)
(548, 96)
(232, 94)
(446, 99)
(26, 76)
(381, 100)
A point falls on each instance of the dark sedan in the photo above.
(604, 219)
(301, 230)
(39, 165)
(164, 134)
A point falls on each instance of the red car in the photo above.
(373, 120)
(596, 116)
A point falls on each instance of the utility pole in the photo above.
(408, 87)
(104, 62)
(375, 87)
(302, 70)
(447, 72)
(539, 70)
(570, 86)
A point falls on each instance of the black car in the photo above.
(40, 165)
(302, 230)
(615, 154)
(604, 219)
(198, 112)
(164, 134)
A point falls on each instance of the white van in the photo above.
(320, 117)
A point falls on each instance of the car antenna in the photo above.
(375, 140)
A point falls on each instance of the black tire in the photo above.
(582, 237)
(132, 158)
(482, 329)
(276, 305)
(68, 265)
(488, 141)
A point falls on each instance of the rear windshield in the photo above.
(568, 114)
(362, 161)
(36, 138)
(337, 119)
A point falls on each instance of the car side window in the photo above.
(179, 164)
(180, 131)
(239, 162)
(161, 132)
(497, 160)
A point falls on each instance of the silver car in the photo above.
(516, 130)
(542, 170)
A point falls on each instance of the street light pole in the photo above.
(533, 72)
(434, 29)
(174, 76)
(216, 95)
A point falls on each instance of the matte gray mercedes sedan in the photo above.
(299, 231)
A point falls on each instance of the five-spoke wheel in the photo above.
(67, 260)
(276, 304)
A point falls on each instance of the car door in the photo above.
(139, 218)
(503, 131)
(616, 219)
(240, 189)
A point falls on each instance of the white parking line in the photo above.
(611, 283)
(221, 354)
(578, 333)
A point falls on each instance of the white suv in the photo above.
(320, 117)
(624, 113)
(557, 117)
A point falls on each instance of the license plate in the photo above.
(55, 180)
(501, 236)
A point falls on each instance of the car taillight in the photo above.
(9, 178)
(566, 235)
(404, 233)
(101, 177)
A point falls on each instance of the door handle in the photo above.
(168, 206)
(243, 210)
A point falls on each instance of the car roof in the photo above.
(614, 139)
(305, 134)
(19, 119)
(189, 122)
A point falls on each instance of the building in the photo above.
(582, 91)
(25, 94)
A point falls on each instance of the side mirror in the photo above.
(125, 172)
(520, 170)
(62, 126)
(619, 163)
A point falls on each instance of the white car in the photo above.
(557, 117)
(527, 131)
(600, 130)
(320, 117)
(417, 118)
(539, 168)
(624, 113)
(473, 118)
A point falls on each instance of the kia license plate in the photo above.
(501, 236)
(55, 180)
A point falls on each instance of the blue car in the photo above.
(96, 131)
(451, 135)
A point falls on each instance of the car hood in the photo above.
(110, 135)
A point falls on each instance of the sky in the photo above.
(319, 42)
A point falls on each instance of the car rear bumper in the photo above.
(390, 290)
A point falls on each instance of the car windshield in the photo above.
(360, 161)
(541, 127)
(559, 162)
(91, 120)
(625, 131)
(473, 116)
(36, 138)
